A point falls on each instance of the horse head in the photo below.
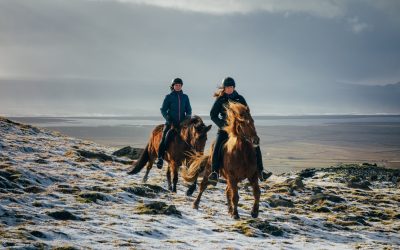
(240, 124)
(194, 133)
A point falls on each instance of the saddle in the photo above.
(172, 132)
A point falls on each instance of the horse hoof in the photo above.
(132, 172)
(236, 216)
(254, 214)
(195, 206)
(190, 191)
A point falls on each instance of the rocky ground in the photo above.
(65, 193)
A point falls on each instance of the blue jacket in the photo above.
(218, 112)
(176, 107)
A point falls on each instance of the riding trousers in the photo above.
(164, 140)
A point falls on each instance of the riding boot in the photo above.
(162, 147)
(217, 157)
(263, 176)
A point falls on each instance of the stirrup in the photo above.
(160, 163)
(213, 178)
(264, 176)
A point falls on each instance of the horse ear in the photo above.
(208, 128)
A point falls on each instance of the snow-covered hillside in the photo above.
(67, 193)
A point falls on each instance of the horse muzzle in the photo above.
(256, 141)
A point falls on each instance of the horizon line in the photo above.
(201, 115)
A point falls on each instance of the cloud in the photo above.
(325, 9)
(357, 26)
(114, 57)
(391, 8)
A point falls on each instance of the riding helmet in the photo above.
(177, 81)
(228, 81)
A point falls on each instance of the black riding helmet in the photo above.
(176, 81)
(228, 81)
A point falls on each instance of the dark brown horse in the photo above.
(189, 139)
(239, 160)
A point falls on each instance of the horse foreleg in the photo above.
(148, 168)
(203, 187)
(191, 188)
(256, 193)
(228, 199)
(169, 178)
(174, 172)
(234, 199)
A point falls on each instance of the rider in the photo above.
(218, 115)
(175, 108)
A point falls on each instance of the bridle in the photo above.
(188, 137)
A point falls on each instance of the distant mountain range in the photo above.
(84, 98)
(339, 98)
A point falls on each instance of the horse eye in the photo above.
(202, 137)
(200, 127)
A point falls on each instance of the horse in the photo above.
(190, 138)
(238, 163)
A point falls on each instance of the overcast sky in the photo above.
(109, 57)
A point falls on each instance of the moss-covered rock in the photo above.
(65, 248)
(321, 209)
(34, 189)
(130, 152)
(376, 214)
(93, 196)
(254, 228)
(320, 197)
(358, 219)
(139, 191)
(38, 234)
(356, 182)
(63, 215)
(146, 190)
(365, 171)
(296, 184)
(158, 207)
(307, 173)
(67, 189)
(340, 208)
(280, 202)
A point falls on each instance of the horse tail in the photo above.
(198, 163)
(144, 158)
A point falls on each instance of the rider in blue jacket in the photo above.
(175, 108)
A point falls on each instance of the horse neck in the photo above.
(236, 143)
(185, 135)
(235, 137)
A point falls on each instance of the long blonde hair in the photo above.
(219, 92)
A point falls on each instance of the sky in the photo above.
(118, 57)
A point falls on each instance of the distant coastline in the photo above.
(287, 142)
(382, 118)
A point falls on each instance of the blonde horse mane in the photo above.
(234, 112)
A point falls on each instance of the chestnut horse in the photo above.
(239, 160)
(189, 139)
